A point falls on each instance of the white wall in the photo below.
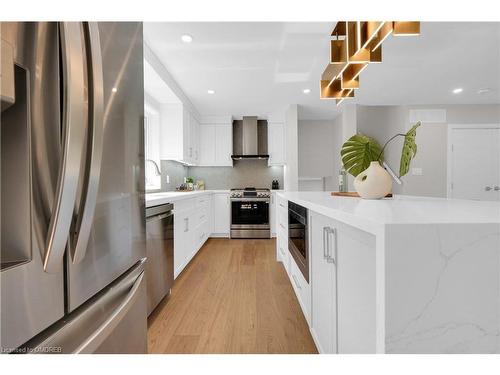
(349, 128)
(291, 175)
(382, 122)
(319, 144)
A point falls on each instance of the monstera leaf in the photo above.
(358, 152)
(409, 150)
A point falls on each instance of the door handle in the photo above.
(296, 282)
(186, 221)
(487, 188)
(72, 144)
(96, 88)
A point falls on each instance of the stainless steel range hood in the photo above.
(250, 138)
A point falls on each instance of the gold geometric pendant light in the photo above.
(356, 44)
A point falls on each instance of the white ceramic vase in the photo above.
(374, 182)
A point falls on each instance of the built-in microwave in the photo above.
(298, 237)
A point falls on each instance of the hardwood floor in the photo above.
(232, 298)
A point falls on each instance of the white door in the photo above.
(474, 163)
(323, 285)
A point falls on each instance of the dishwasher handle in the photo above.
(159, 217)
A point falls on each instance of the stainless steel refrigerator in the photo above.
(72, 188)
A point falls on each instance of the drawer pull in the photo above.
(282, 226)
(296, 282)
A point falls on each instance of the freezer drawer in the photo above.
(114, 321)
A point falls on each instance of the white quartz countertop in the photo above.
(154, 199)
(373, 215)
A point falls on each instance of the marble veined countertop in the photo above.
(373, 215)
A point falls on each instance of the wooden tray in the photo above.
(352, 194)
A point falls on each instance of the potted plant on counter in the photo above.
(362, 157)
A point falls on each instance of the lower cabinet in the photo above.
(183, 239)
(221, 214)
(324, 286)
(192, 218)
(342, 287)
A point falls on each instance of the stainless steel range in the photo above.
(250, 213)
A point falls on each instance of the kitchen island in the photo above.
(400, 275)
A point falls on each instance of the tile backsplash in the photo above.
(252, 172)
(176, 173)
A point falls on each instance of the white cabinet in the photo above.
(221, 214)
(272, 214)
(216, 145)
(276, 143)
(323, 280)
(183, 239)
(343, 287)
(194, 133)
(207, 145)
(192, 218)
(179, 134)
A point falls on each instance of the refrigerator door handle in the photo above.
(72, 145)
(100, 334)
(96, 121)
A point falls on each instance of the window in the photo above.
(152, 148)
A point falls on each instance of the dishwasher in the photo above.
(160, 253)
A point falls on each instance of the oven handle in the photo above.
(250, 200)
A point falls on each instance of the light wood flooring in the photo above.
(234, 297)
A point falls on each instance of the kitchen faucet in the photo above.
(157, 169)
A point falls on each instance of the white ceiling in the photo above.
(156, 87)
(259, 68)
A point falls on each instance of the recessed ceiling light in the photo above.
(306, 91)
(186, 38)
(114, 89)
(211, 92)
(484, 90)
(458, 90)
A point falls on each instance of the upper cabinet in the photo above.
(216, 143)
(179, 134)
(276, 143)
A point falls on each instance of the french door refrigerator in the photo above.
(72, 188)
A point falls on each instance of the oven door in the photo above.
(298, 238)
(249, 213)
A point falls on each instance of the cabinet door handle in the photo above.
(325, 242)
(332, 253)
(296, 282)
(496, 188)
(487, 188)
(186, 221)
(282, 226)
